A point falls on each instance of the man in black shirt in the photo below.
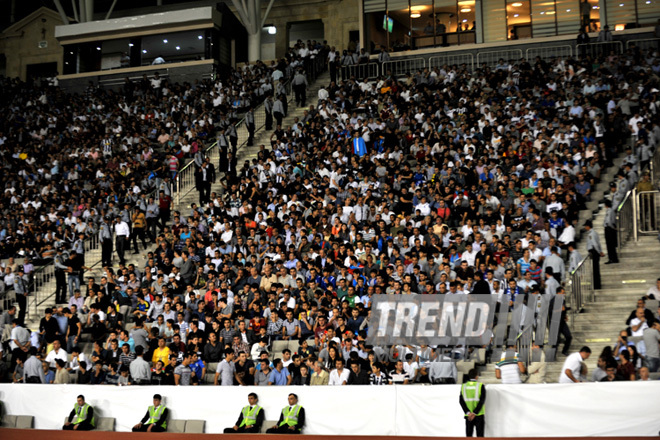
(244, 370)
(357, 376)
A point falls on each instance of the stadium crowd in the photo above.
(443, 182)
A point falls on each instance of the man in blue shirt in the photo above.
(280, 375)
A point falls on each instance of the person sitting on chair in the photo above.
(250, 419)
(291, 420)
(81, 417)
(155, 420)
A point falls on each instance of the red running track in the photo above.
(29, 434)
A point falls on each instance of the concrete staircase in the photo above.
(622, 284)
(262, 137)
(93, 257)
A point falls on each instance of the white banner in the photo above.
(600, 409)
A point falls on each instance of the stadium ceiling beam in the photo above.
(75, 11)
(60, 9)
(263, 20)
(112, 7)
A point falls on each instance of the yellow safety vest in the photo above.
(250, 415)
(154, 415)
(290, 417)
(81, 414)
(471, 392)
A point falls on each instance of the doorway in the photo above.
(306, 30)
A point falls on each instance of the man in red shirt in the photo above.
(164, 206)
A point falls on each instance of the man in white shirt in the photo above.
(56, 353)
(122, 232)
(339, 376)
(572, 368)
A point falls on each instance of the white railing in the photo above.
(402, 67)
(644, 43)
(361, 71)
(450, 60)
(549, 52)
(491, 58)
(599, 48)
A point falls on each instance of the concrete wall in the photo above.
(20, 43)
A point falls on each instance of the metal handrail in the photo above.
(492, 57)
(626, 221)
(183, 185)
(642, 42)
(599, 48)
(549, 52)
(449, 59)
(185, 178)
(646, 205)
(582, 287)
(401, 67)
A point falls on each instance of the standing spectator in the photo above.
(164, 206)
(510, 367)
(139, 222)
(594, 248)
(122, 235)
(21, 288)
(651, 340)
(299, 84)
(571, 371)
(226, 371)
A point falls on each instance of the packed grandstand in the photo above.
(443, 182)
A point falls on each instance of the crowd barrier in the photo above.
(592, 409)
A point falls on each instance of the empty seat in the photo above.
(464, 366)
(176, 426)
(105, 424)
(8, 421)
(277, 348)
(24, 422)
(195, 426)
(267, 425)
(293, 346)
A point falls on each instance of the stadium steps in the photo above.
(602, 319)
(622, 284)
(262, 137)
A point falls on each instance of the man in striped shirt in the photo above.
(509, 368)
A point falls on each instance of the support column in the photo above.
(254, 46)
(479, 22)
(249, 12)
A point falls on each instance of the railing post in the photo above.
(635, 210)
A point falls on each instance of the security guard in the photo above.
(155, 420)
(249, 121)
(251, 417)
(610, 233)
(473, 400)
(291, 420)
(81, 417)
